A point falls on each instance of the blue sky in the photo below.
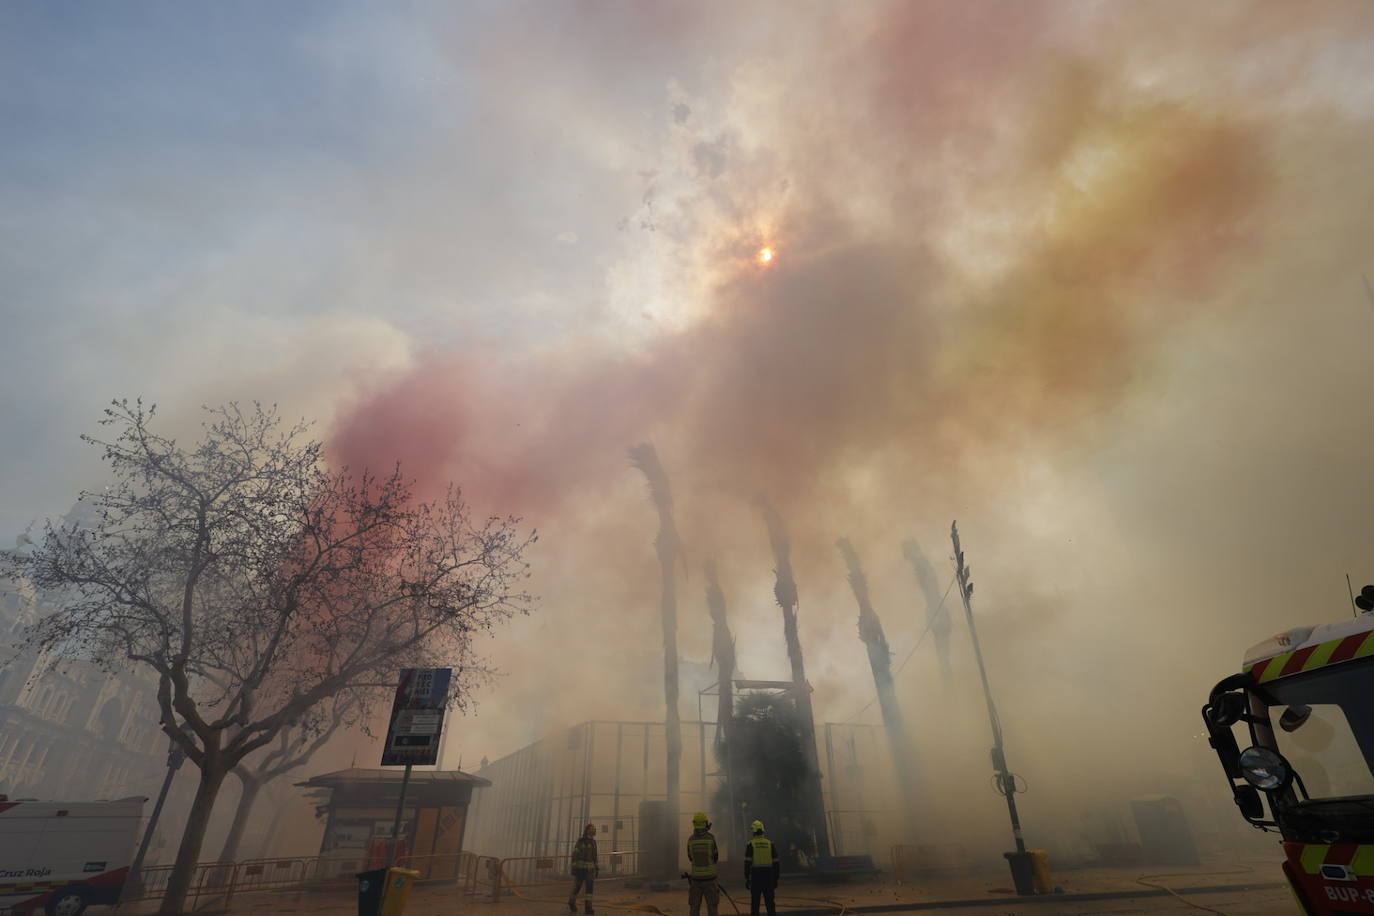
(176, 173)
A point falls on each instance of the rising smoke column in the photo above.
(785, 590)
(644, 457)
(880, 660)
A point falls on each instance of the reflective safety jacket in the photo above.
(702, 855)
(763, 855)
(584, 856)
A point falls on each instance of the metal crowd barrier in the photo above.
(228, 879)
(543, 871)
(270, 875)
(208, 879)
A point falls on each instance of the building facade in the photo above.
(71, 731)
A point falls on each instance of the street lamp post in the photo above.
(176, 756)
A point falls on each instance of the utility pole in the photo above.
(1006, 781)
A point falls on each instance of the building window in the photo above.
(111, 715)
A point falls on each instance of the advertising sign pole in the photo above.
(396, 824)
(412, 739)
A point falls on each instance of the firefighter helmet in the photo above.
(757, 826)
(700, 821)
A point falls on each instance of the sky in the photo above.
(1084, 276)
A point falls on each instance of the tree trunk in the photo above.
(269, 839)
(249, 795)
(937, 620)
(880, 662)
(212, 775)
(785, 591)
(723, 648)
(672, 724)
(646, 459)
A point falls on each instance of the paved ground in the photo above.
(1245, 888)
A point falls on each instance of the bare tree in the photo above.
(256, 583)
(293, 747)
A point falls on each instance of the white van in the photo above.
(65, 856)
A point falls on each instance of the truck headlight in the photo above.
(1265, 769)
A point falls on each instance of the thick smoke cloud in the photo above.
(1084, 276)
(1043, 267)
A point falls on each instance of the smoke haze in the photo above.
(1086, 277)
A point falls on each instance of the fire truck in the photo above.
(1304, 700)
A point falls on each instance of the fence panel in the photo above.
(471, 873)
(209, 878)
(544, 871)
(254, 875)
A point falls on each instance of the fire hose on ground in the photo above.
(800, 902)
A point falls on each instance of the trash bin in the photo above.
(371, 886)
(1022, 872)
(1040, 871)
(399, 881)
(384, 891)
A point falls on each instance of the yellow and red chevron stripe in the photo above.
(1358, 858)
(1332, 652)
(27, 886)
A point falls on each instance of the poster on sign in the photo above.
(417, 718)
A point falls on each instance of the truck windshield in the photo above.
(1332, 749)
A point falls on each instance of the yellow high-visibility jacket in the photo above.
(760, 855)
(702, 855)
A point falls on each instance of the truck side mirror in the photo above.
(1248, 800)
(1227, 708)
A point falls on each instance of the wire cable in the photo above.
(1145, 880)
(636, 907)
(803, 903)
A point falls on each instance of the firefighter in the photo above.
(584, 869)
(702, 856)
(761, 870)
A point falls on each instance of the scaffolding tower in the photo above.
(598, 772)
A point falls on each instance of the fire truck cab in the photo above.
(1304, 701)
